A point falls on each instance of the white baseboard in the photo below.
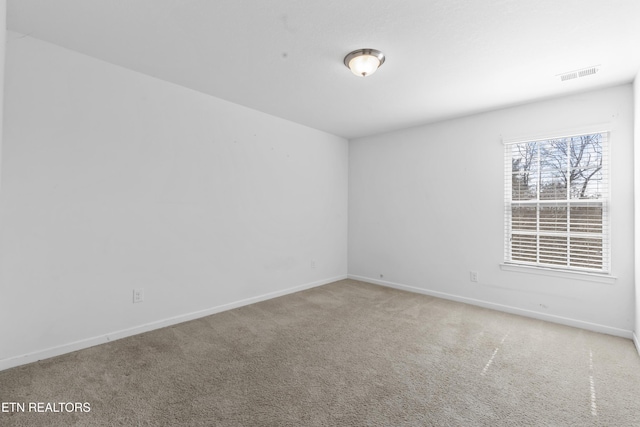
(506, 308)
(102, 339)
(636, 341)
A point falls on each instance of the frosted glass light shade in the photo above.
(364, 62)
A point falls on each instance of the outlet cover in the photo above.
(138, 295)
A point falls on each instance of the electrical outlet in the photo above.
(313, 263)
(473, 276)
(138, 295)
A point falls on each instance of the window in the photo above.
(556, 203)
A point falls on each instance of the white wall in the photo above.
(636, 153)
(3, 37)
(113, 180)
(426, 207)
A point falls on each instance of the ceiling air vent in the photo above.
(587, 72)
(578, 73)
(569, 76)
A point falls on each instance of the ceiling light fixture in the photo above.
(364, 62)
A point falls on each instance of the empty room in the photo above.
(289, 213)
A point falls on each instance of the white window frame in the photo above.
(537, 266)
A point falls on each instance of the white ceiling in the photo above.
(445, 58)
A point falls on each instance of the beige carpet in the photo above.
(344, 354)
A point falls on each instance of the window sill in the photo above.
(576, 275)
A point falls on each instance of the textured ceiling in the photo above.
(445, 58)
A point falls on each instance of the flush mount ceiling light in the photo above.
(364, 62)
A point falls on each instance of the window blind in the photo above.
(556, 202)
